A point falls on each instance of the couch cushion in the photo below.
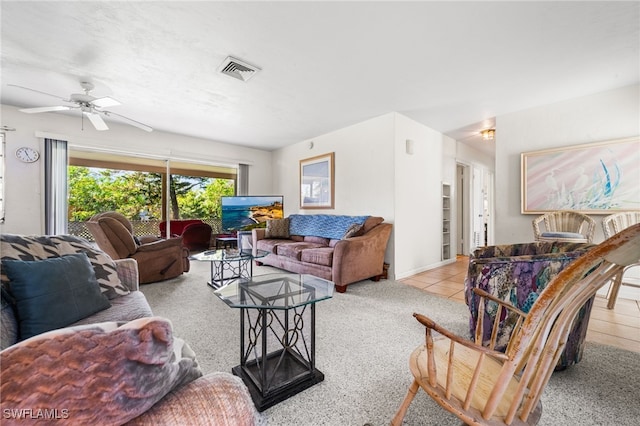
(294, 250)
(8, 320)
(322, 225)
(277, 228)
(106, 373)
(218, 398)
(318, 256)
(317, 240)
(21, 247)
(119, 236)
(270, 245)
(53, 293)
(126, 308)
(573, 235)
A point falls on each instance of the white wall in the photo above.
(603, 116)
(418, 195)
(24, 193)
(469, 155)
(363, 169)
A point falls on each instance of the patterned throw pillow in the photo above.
(354, 230)
(21, 247)
(106, 373)
(277, 228)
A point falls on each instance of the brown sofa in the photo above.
(119, 365)
(325, 254)
(157, 259)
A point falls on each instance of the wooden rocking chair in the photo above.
(486, 387)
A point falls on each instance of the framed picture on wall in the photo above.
(592, 178)
(316, 182)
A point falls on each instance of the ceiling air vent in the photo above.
(238, 69)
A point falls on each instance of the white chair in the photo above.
(611, 225)
(564, 225)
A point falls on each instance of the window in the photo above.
(145, 190)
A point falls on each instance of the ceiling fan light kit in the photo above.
(488, 134)
(90, 106)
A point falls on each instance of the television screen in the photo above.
(244, 213)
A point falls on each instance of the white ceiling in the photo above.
(453, 66)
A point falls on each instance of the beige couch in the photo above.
(119, 365)
(341, 260)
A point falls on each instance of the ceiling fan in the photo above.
(90, 106)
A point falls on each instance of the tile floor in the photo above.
(618, 327)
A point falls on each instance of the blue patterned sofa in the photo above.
(343, 249)
(517, 273)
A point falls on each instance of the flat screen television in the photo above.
(243, 213)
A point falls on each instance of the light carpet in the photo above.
(363, 341)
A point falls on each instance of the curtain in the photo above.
(55, 183)
(2, 177)
(243, 180)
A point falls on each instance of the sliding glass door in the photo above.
(146, 191)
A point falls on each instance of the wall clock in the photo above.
(27, 155)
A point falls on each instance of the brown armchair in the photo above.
(157, 259)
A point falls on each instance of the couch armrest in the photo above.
(257, 234)
(362, 257)
(128, 273)
(160, 245)
(214, 399)
(146, 239)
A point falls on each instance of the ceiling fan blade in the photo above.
(45, 109)
(105, 102)
(130, 120)
(96, 120)
(38, 91)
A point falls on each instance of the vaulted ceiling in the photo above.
(453, 66)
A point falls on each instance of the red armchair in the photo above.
(196, 235)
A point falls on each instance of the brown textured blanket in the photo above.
(106, 373)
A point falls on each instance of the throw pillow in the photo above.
(277, 228)
(105, 373)
(22, 247)
(354, 230)
(54, 292)
(103, 265)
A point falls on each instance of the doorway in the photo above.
(462, 209)
(474, 208)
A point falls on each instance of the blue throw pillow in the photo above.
(53, 293)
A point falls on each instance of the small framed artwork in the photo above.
(595, 178)
(316, 182)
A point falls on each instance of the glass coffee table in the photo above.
(277, 333)
(228, 264)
